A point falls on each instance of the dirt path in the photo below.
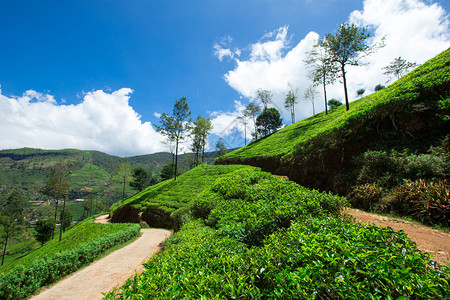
(108, 272)
(427, 239)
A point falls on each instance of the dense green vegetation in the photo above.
(250, 235)
(80, 245)
(162, 204)
(383, 146)
(428, 83)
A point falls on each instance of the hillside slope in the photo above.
(316, 152)
(162, 204)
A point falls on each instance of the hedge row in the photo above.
(23, 281)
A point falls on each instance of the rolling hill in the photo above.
(410, 115)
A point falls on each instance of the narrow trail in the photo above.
(108, 272)
(427, 239)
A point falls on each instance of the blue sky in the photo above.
(75, 59)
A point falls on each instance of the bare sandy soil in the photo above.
(108, 272)
(427, 239)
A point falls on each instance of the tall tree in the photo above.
(139, 179)
(322, 70)
(44, 230)
(57, 186)
(311, 94)
(243, 119)
(264, 96)
(177, 126)
(11, 214)
(289, 103)
(346, 48)
(68, 217)
(170, 142)
(202, 128)
(221, 147)
(268, 121)
(399, 67)
(253, 110)
(122, 175)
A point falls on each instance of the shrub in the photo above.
(366, 196)
(427, 202)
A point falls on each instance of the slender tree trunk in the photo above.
(325, 95)
(347, 106)
(203, 154)
(62, 221)
(4, 249)
(92, 204)
(256, 133)
(173, 163)
(56, 213)
(245, 134)
(123, 190)
(293, 113)
(176, 161)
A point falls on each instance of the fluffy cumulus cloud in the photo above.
(413, 29)
(102, 121)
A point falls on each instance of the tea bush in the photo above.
(272, 239)
(326, 258)
(24, 280)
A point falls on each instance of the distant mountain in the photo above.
(27, 170)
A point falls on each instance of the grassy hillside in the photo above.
(407, 115)
(160, 205)
(80, 245)
(250, 235)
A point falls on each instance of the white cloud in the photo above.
(102, 121)
(413, 29)
(157, 114)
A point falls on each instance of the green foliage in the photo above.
(139, 179)
(44, 230)
(366, 196)
(333, 103)
(167, 171)
(177, 126)
(360, 92)
(159, 202)
(345, 48)
(268, 121)
(51, 264)
(422, 87)
(398, 67)
(379, 87)
(68, 218)
(392, 169)
(221, 147)
(427, 202)
(268, 238)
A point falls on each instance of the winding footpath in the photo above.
(108, 272)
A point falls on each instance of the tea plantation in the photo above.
(249, 235)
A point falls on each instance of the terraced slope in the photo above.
(408, 114)
(162, 204)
